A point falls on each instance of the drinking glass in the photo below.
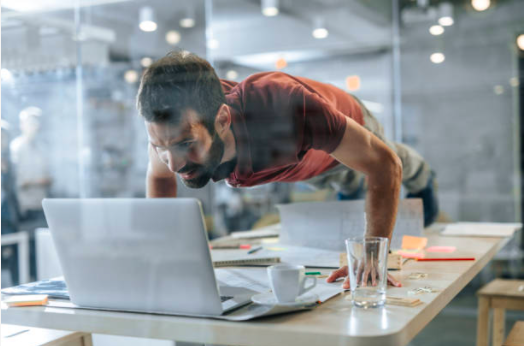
(367, 268)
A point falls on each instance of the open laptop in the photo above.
(147, 255)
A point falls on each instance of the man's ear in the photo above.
(223, 119)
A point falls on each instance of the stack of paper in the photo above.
(325, 225)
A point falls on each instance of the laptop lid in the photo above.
(146, 255)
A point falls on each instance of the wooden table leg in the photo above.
(87, 340)
(483, 322)
(499, 321)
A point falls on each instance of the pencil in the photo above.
(254, 250)
(445, 259)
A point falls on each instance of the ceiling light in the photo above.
(188, 21)
(6, 75)
(320, 33)
(498, 89)
(445, 14)
(213, 43)
(319, 29)
(231, 74)
(173, 37)
(437, 58)
(147, 19)
(480, 5)
(446, 21)
(146, 62)
(353, 83)
(280, 63)
(514, 82)
(270, 8)
(436, 30)
(520, 41)
(131, 76)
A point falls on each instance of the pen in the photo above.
(313, 273)
(254, 250)
(445, 259)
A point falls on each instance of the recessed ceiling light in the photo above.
(270, 8)
(480, 5)
(173, 37)
(520, 41)
(232, 74)
(436, 30)
(131, 76)
(147, 19)
(437, 58)
(146, 61)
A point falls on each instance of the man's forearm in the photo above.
(382, 203)
(160, 187)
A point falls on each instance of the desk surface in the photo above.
(332, 323)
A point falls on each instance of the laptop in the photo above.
(145, 255)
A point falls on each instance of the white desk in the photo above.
(335, 322)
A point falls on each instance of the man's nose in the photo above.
(176, 162)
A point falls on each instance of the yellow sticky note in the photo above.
(410, 242)
(27, 300)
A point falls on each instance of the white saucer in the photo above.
(269, 298)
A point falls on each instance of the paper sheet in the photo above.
(269, 231)
(481, 229)
(256, 279)
(306, 256)
(325, 225)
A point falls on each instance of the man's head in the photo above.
(30, 121)
(182, 102)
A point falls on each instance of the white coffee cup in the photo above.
(289, 281)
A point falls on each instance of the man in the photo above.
(271, 127)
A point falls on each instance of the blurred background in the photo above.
(442, 76)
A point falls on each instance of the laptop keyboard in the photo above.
(224, 298)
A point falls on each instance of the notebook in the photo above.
(263, 261)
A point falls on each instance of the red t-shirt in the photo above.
(285, 127)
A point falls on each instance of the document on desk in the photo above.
(481, 229)
(325, 225)
(266, 232)
(299, 255)
(256, 279)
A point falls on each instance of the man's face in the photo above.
(187, 148)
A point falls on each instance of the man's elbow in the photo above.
(387, 172)
(396, 169)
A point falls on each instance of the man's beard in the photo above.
(205, 172)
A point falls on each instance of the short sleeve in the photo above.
(323, 124)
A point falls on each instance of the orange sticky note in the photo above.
(410, 242)
(27, 300)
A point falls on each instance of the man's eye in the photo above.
(185, 145)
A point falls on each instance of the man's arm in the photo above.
(366, 153)
(160, 181)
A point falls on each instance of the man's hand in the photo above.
(343, 272)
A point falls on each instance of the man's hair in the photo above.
(176, 82)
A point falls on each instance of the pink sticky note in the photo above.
(410, 253)
(446, 249)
